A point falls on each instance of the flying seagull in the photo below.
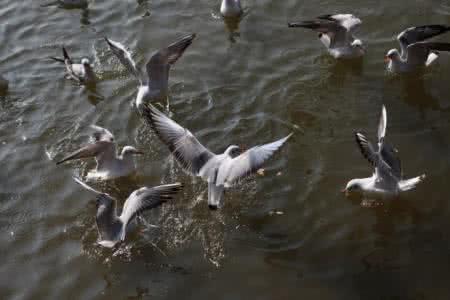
(387, 179)
(155, 86)
(416, 52)
(219, 170)
(231, 8)
(109, 164)
(111, 227)
(82, 73)
(336, 33)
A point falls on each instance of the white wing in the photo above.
(188, 151)
(125, 58)
(247, 163)
(147, 198)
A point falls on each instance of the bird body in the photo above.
(336, 32)
(219, 170)
(387, 179)
(112, 227)
(416, 52)
(82, 73)
(231, 8)
(109, 164)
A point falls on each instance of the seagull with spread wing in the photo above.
(387, 179)
(219, 170)
(336, 32)
(82, 73)
(109, 164)
(112, 227)
(416, 51)
(155, 86)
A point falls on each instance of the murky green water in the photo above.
(291, 236)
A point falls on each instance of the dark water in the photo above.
(280, 236)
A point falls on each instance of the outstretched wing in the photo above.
(248, 162)
(188, 151)
(419, 33)
(159, 64)
(348, 21)
(418, 52)
(102, 134)
(125, 58)
(147, 198)
(90, 150)
(335, 31)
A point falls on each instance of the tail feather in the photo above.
(409, 184)
(215, 194)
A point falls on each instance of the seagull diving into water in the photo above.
(109, 164)
(82, 73)
(387, 178)
(416, 52)
(155, 86)
(111, 227)
(219, 170)
(336, 33)
(231, 8)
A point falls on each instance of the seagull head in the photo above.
(357, 43)
(354, 186)
(85, 62)
(233, 151)
(129, 151)
(391, 55)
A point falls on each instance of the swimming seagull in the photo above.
(109, 164)
(111, 227)
(231, 8)
(82, 73)
(415, 51)
(387, 179)
(219, 170)
(155, 86)
(336, 33)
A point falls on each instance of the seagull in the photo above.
(82, 73)
(219, 170)
(231, 8)
(109, 164)
(155, 87)
(111, 227)
(336, 33)
(68, 3)
(415, 51)
(387, 179)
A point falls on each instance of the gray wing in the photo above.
(147, 198)
(187, 150)
(91, 150)
(382, 126)
(418, 52)
(159, 64)
(386, 164)
(248, 162)
(419, 33)
(70, 66)
(102, 134)
(125, 58)
(348, 21)
(333, 29)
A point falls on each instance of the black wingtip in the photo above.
(65, 54)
